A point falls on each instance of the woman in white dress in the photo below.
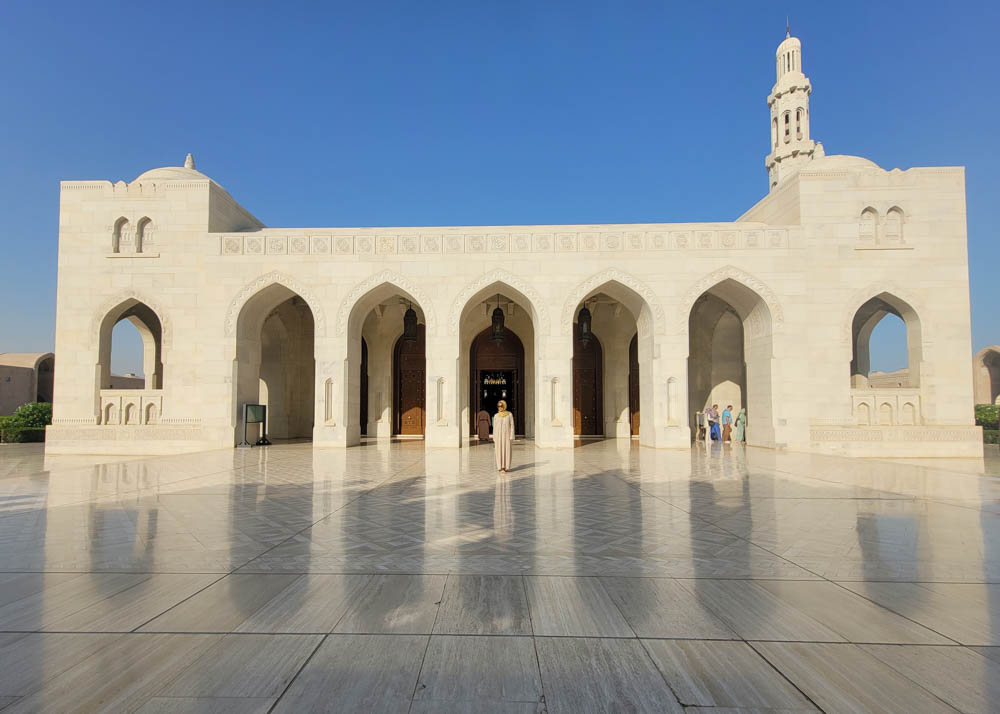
(503, 436)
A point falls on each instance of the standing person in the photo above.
(503, 436)
(727, 422)
(713, 422)
(741, 427)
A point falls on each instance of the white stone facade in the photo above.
(772, 311)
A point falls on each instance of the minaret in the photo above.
(791, 146)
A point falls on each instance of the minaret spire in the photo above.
(791, 146)
(189, 162)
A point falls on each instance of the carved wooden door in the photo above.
(587, 385)
(410, 385)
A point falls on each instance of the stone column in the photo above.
(554, 391)
(334, 405)
(442, 395)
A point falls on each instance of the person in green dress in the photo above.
(740, 432)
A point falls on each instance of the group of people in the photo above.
(729, 431)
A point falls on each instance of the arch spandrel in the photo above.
(730, 272)
(535, 300)
(274, 278)
(111, 303)
(615, 275)
(385, 277)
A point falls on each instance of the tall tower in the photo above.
(791, 146)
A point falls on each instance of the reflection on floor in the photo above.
(601, 578)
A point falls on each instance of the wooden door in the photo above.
(410, 376)
(588, 418)
(485, 354)
(633, 385)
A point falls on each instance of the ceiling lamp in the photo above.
(498, 328)
(585, 322)
(410, 325)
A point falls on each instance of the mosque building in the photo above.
(623, 331)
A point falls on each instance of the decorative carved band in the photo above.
(390, 278)
(536, 303)
(275, 278)
(623, 278)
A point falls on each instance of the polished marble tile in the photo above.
(482, 671)
(256, 666)
(119, 677)
(843, 677)
(483, 605)
(223, 606)
(357, 673)
(578, 607)
(755, 613)
(658, 607)
(395, 604)
(388, 543)
(722, 674)
(312, 603)
(206, 705)
(601, 675)
(958, 675)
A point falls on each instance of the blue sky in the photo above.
(406, 113)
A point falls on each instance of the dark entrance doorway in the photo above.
(588, 417)
(496, 367)
(409, 367)
(364, 387)
(633, 385)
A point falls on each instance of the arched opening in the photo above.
(729, 358)
(275, 338)
(869, 225)
(44, 379)
(614, 361)
(364, 389)
(409, 377)
(497, 371)
(490, 366)
(633, 385)
(116, 367)
(986, 373)
(121, 236)
(143, 234)
(588, 385)
(386, 393)
(894, 225)
(905, 339)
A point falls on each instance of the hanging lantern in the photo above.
(410, 325)
(585, 323)
(498, 328)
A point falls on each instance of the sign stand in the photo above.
(254, 414)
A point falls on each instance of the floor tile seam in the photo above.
(423, 658)
(781, 674)
(80, 608)
(305, 663)
(915, 683)
(663, 675)
(739, 537)
(197, 592)
(895, 612)
(310, 526)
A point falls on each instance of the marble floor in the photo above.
(602, 578)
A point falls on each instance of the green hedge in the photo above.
(990, 436)
(986, 416)
(26, 424)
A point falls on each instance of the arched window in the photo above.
(894, 225)
(798, 123)
(869, 224)
(121, 237)
(887, 345)
(151, 414)
(130, 354)
(788, 127)
(774, 132)
(143, 235)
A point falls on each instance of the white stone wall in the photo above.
(794, 284)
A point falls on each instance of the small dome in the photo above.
(174, 173)
(841, 161)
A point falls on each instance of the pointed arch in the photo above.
(149, 322)
(646, 301)
(119, 301)
(865, 310)
(388, 278)
(527, 293)
(257, 285)
(776, 316)
(119, 231)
